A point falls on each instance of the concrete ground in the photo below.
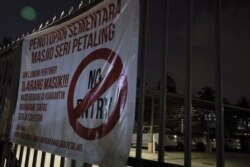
(200, 159)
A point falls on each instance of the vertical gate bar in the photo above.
(34, 158)
(73, 163)
(43, 159)
(15, 149)
(21, 154)
(87, 165)
(142, 52)
(163, 92)
(27, 157)
(4, 152)
(52, 160)
(220, 161)
(62, 161)
(188, 93)
(152, 118)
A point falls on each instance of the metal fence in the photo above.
(32, 157)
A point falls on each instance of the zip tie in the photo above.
(70, 10)
(80, 5)
(41, 26)
(54, 18)
(47, 22)
(62, 14)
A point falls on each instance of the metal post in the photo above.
(34, 158)
(152, 118)
(163, 93)
(21, 155)
(220, 161)
(27, 157)
(4, 153)
(62, 161)
(142, 53)
(87, 165)
(188, 94)
(52, 160)
(73, 163)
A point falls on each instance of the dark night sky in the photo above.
(235, 47)
(235, 35)
(14, 25)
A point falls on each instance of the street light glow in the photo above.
(28, 13)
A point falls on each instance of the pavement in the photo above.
(199, 159)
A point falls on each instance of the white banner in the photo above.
(77, 86)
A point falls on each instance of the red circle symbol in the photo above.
(117, 74)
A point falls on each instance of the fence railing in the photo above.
(31, 157)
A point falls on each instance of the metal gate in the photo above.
(9, 76)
